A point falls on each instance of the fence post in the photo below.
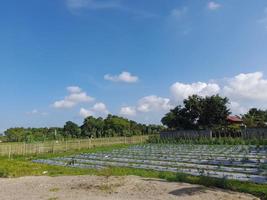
(66, 145)
(9, 152)
(53, 147)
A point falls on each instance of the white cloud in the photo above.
(128, 111)
(236, 108)
(153, 103)
(75, 97)
(250, 86)
(178, 12)
(181, 91)
(99, 109)
(123, 77)
(86, 113)
(213, 5)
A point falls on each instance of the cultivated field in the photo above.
(242, 163)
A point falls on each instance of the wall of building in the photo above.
(186, 134)
(248, 133)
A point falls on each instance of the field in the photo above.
(238, 168)
(243, 163)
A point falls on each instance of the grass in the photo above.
(22, 166)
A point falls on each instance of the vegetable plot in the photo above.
(243, 163)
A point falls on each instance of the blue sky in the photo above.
(66, 59)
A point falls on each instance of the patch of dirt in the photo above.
(111, 188)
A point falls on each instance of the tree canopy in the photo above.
(91, 128)
(255, 118)
(198, 113)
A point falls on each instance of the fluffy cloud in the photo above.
(99, 109)
(128, 111)
(181, 91)
(251, 86)
(213, 5)
(236, 108)
(153, 103)
(76, 96)
(86, 113)
(123, 77)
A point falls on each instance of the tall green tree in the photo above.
(255, 118)
(198, 112)
(214, 111)
(71, 129)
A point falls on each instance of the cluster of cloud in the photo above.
(99, 109)
(147, 104)
(244, 91)
(181, 91)
(250, 86)
(125, 77)
(76, 96)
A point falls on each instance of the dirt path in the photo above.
(117, 188)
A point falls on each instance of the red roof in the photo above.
(234, 118)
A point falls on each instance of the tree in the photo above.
(15, 134)
(198, 112)
(255, 118)
(120, 125)
(214, 111)
(71, 129)
(92, 127)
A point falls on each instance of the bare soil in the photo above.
(112, 188)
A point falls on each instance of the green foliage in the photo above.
(116, 126)
(255, 118)
(198, 113)
(92, 127)
(71, 129)
(207, 141)
(33, 134)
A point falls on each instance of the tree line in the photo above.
(92, 127)
(196, 113)
(209, 112)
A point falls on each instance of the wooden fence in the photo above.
(16, 148)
